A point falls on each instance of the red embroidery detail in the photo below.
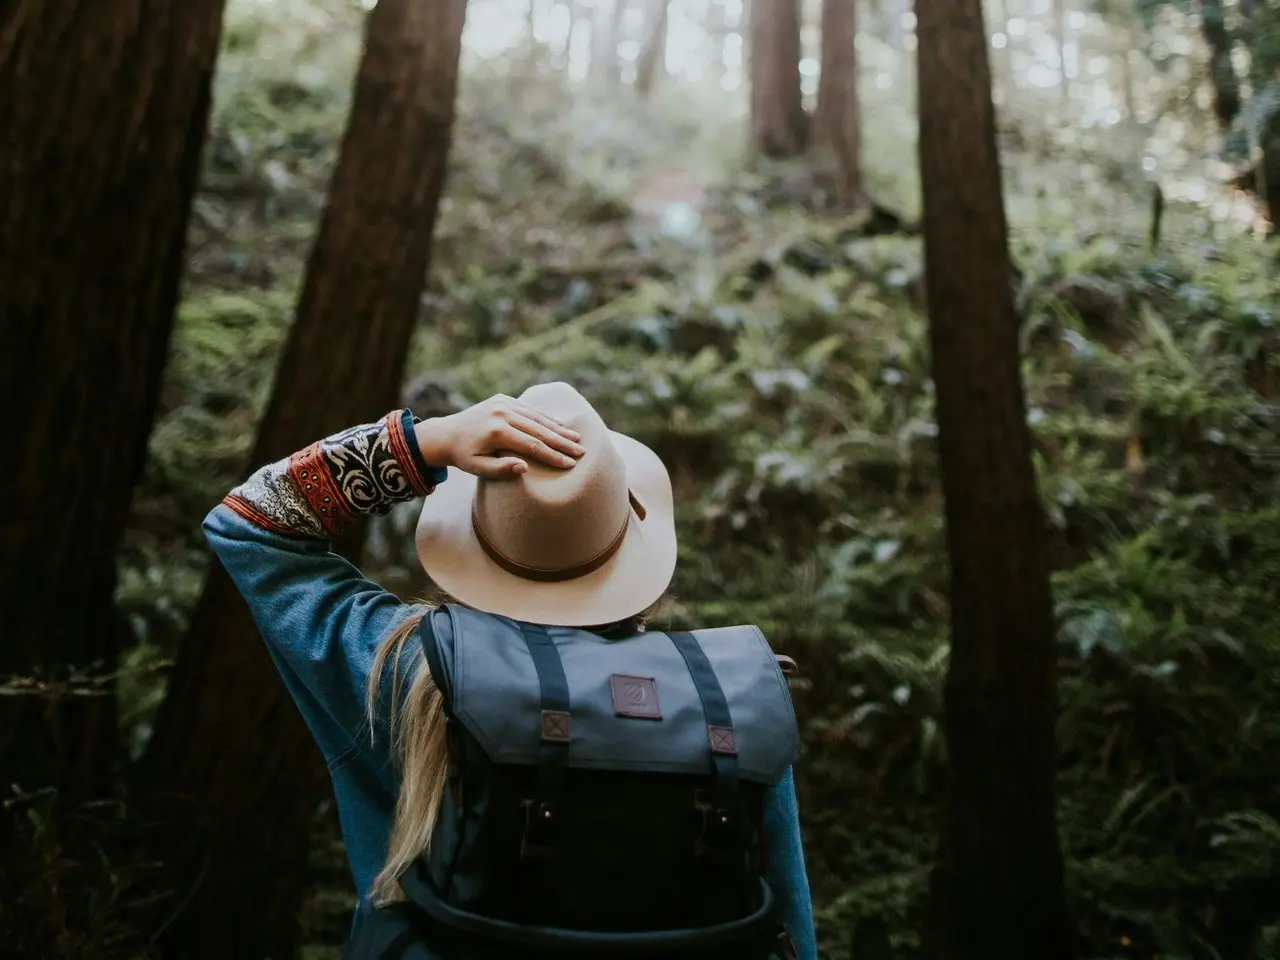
(403, 452)
(310, 474)
(241, 506)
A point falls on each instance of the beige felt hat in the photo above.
(586, 546)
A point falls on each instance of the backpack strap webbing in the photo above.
(722, 822)
(555, 735)
(435, 663)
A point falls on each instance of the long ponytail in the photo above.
(417, 735)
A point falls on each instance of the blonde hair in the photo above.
(416, 725)
(417, 735)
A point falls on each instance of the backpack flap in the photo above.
(633, 703)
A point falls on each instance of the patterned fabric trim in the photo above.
(270, 500)
(404, 445)
(427, 475)
(309, 471)
(318, 490)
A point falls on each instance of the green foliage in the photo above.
(786, 385)
(795, 413)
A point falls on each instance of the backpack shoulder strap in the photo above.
(720, 738)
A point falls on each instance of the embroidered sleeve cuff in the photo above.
(320, 489)
(430, 477)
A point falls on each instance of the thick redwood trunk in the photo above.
(998, 886)
(653, 53)
(779, 125)
(231, 761)
(103, 111)
(835, 121)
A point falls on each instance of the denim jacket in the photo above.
(322, 622)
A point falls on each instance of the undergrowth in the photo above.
(781, 370)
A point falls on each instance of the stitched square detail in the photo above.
(722, 741)
(556, 726)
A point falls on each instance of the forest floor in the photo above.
(775, 356)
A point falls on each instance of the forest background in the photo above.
(709, 219)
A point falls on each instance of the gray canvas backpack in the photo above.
(605, 796)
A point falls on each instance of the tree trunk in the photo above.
(1060, 35)
(606, 32)
(835, 121)
(655, 48)
(231, 753)
(576, 16)
(104, 111)
(997, 891)
(779, 125)
(1226, 84)
(531, 39)
(717, 43)
(1268, 171)
(1124, 46)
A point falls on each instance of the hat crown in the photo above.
(592, 544)
(549, 520)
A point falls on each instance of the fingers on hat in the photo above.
(551, 423)
(495, 468)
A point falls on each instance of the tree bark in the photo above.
(653, 53)
(997, 890)
(835, 120)
(104, 111)
(779, 124)
(1226, 84)
(231, 753)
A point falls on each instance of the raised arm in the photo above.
(320, 617)
(787, 874)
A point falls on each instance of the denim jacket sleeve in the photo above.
(320, 617)
(786, 868)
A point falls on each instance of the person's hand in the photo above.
(496, 438)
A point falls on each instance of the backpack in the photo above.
(605, 797)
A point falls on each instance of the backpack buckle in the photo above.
(718, 832)
(541, 819)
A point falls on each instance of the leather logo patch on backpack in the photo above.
(635, 697)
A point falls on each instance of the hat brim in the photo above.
(632, 580)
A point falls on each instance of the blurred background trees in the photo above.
(708, 215)
(233, 780)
